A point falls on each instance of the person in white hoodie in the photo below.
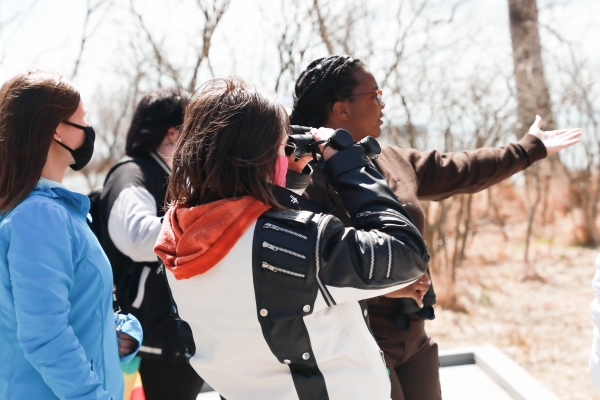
(595, 309)
(274, 295)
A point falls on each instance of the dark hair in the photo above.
(320, 85)
(229, 144)
(154, 115)
(32, 104)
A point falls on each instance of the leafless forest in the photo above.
(444, 89)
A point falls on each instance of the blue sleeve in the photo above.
(129, 324)
(41, 268)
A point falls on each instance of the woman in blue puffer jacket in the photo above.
(59, 337)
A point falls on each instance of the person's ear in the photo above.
(57, 136)
(173, 134)
(340, 110)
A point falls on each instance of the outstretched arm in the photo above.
(441, 175)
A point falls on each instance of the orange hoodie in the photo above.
(194, 239)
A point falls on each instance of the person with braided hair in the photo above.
(340, 92)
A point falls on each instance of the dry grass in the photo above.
(538, 314)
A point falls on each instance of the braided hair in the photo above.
(322, 83)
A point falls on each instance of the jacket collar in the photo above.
(161, 162)
(54, 190)
(194, 239)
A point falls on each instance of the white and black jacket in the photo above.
(282, 315)
(131, 208)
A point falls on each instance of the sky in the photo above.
(47, 34)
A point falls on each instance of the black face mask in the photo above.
(83, 154)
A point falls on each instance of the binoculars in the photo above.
(300, 142)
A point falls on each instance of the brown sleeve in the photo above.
(441, 175)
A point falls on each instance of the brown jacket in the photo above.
(414, 175)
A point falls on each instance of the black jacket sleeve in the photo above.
(383, 253)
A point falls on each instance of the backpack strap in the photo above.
(112, 169)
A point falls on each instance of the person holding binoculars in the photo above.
(273, 296)
(340, 92)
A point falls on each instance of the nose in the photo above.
(426, 279)
(423, 284)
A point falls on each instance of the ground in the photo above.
(543, 322)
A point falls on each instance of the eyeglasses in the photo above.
(377, 92)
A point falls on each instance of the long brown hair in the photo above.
(229, 144)
(32, 104)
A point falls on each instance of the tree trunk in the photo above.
(533, 96)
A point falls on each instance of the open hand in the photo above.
(555, 140)
(415, 290)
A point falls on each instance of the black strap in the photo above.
(124, 160)
(185, 331)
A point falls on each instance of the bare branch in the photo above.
(212, 16)
(14, 19)
(163, 65)
(85, 35)
(322, 27)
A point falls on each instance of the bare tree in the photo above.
(581, 107)
(113, 111)
(343, 27)
(533, 96)
(14, 19)
(292, 33)
(323, 31)
(212, 12)
(92, 7)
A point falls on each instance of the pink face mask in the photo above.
(281, 167)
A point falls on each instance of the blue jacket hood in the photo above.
(54, 190)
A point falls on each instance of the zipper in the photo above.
(407, 222)
(389, 244)
(268, 225)
(372, 250)
(270, 246)
(320, 229)
(285, 271)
